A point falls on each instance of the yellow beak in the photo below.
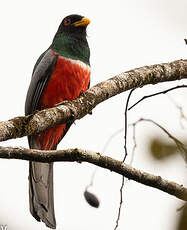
(82, 22)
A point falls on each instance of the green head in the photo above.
(70, 40)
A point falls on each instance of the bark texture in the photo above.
(72, 110)
(79, 155)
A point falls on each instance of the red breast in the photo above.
(68, 80)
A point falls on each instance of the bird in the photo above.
(61, 73)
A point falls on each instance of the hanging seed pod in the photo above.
(91, 199)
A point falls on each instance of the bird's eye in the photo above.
(67, 21)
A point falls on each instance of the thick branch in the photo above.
(96, 158)
(72, 110)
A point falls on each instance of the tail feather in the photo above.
(41, 193)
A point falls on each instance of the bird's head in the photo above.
(70, 39)
(73, 25)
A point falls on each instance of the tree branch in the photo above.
(72, 110)
(158, 93)
(96, 158)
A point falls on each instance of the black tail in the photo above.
(41, 193)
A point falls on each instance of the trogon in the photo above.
(61, 73)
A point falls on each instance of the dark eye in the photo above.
(67, 21)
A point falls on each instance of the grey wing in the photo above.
(40, 78)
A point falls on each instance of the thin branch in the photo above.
(125, 137)
(181, 113)
(178, 143)
(135, 144)
(120, 203)
(125, 148)
(110, 139)
(72, 110)
(103, 151)
(96, 158)
(96, 168)
(155, 94)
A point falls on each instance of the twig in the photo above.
(125, 136)
(79, 155)
(178, 143)
(120, 203)
(135, 144)
(182, 116)
(110, 139)
(125, 147)
(103, 151)
(155, 94)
